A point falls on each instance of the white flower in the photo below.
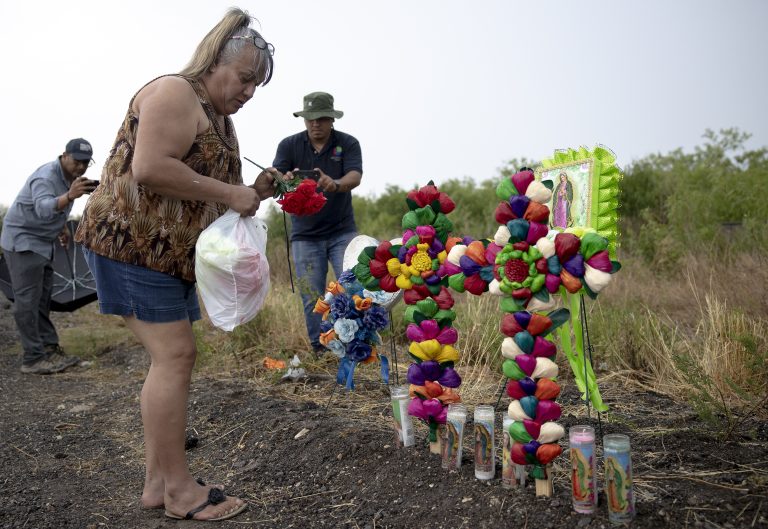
(345, 329)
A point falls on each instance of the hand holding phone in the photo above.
(314, 174)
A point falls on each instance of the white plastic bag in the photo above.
(232, 269)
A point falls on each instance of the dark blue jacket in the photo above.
(340, 155)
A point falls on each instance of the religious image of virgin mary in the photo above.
(563, 199)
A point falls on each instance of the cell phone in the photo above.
(92, 184)
(314, 174)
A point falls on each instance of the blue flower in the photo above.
(363, 334)
(379, 297)
(337, 348)
(350, 283)
(342, 306)
(325, 326)
(358, 351)
(375, 318)
(345, 329)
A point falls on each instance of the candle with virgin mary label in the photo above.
(618, 478)
(453, 436)
(508, 479)
(402, 421)
(485, 453)
(583, 475)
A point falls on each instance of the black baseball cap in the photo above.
(79, 149)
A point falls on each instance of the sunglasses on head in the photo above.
(257, 41)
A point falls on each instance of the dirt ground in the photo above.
(71, 456)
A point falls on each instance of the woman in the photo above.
(174, 168)
(563, 196)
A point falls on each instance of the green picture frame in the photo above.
(585, 191)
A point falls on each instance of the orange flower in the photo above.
(429, 390)
(451, 242)
(448, 396)
(321, 307)
(372, 358)
(271, 363)
(362, 303)
(327, 337)
(334, 288)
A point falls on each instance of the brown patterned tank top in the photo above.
(127, 222)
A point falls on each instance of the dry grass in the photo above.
(713, 312)
(479, 346)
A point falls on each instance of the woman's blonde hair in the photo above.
(218, 46)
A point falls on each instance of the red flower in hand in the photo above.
(304, 200)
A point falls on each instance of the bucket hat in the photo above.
(318, 105)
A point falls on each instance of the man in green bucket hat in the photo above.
(317, 239)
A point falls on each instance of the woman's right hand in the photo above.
(244, 200)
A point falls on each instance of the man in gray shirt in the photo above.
(32, 224)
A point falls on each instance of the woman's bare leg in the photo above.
(171, 347)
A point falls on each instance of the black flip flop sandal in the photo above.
(215, 497)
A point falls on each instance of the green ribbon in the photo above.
(573, 347)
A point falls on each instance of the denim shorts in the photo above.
(125, 289)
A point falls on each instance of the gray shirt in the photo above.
(33, 223)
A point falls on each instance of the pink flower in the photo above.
(429, 410)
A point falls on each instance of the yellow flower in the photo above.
(403, 283)
(433, 350)
(447, 354)
(393, 267)
(425, 350)
(421, 261)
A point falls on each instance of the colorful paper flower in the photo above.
(345, 329)
(378, 266)
(420, 256)
(516, 276)
(471, 267)
(430, 196)
(430, 404)
(357, 350)
(575, 262)
(375, 318)
(433, 350)
(416, 267)
(525, 333)
(341, 306)
(350, 326)
(428, 410)
(429, 330)
(431, 371)
(337, 348)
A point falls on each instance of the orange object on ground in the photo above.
(271, 363)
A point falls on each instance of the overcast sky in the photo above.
(432, 89)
